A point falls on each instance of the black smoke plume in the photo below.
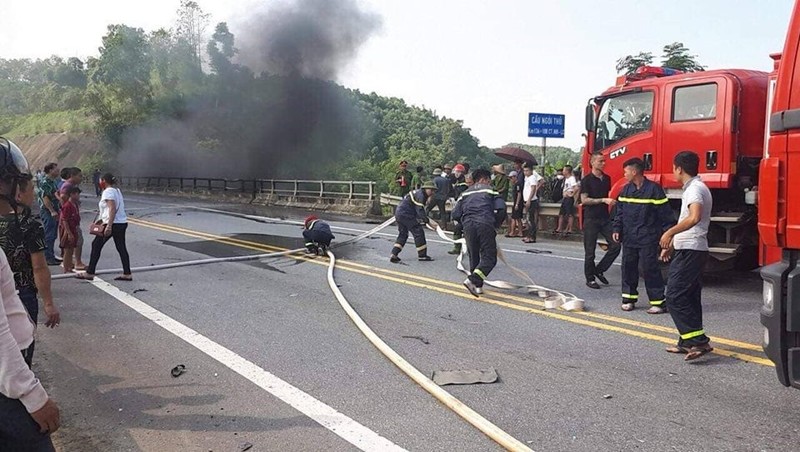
(279, 114)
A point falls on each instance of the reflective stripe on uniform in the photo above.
(420, 248)
(397, 245)
(692, 334)
(485, 190)
(311, 226)
(656, 302)
(643, 200)
(479, 273)
(630, 296)
(309, 243)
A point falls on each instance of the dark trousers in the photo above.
(403, 228)
(318, 238)
(50, 225)
(533, 219)
(683, 295)
(482, 248)
(439, 204)
(653, 281)
(18, 430)
(118, 234)
(593, 228)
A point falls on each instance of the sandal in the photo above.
(677, 349)
(85, 277)
(697, 351)
(124, 278)
(528, 240)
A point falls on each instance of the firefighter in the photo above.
(689, 241)
(459, 181)
(480, 210)
(317, 235)
(411, 217)
(643, 215)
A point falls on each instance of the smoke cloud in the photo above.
(306, 38)
(289, 121)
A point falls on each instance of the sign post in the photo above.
(545, 125)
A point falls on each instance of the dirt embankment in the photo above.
(66, 149)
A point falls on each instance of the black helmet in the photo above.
(13, 164)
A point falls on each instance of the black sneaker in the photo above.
(59, 259)
(394, 259)
(592, 284)
(425, 258)
(602, 278)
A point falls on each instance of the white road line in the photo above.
(338, 423)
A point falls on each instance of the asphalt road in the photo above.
(597, 380)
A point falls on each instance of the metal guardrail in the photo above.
(364, 190)
(546, 209)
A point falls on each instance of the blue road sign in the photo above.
(545, 125)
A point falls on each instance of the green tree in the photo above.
(630, 63)
(119, 91)
(221, 50)
(677, 56)
(191, 27)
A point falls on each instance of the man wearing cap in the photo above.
(439, 197)
(501, 183)
(480, 210)
(317, 235)
(403, 179)
(411, 216)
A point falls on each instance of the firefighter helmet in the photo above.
(460, 168)
(309, 219)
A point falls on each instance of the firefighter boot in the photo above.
(456, 249)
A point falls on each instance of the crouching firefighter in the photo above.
(411, 217)
(481, 211)
(317, 235)
(459, 187)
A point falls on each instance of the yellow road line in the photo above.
(405, 278)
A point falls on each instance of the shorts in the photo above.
(516, 211)
(567, 207)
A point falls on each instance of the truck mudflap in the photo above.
(780, 315)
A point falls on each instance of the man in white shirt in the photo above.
(686, 244)
(530, 195)
(568, 211)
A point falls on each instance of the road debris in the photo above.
(139, 290)
(420, 338)
(245, 446)
(178, 370)
(464, 377)
(607, 396)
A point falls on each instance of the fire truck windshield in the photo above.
(623, 116)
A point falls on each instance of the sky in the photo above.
(488, 63)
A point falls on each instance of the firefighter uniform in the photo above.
(459, 187)
(317, 235)
(643, 214)
(480, 210)
(411, 216)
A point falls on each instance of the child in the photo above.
(317, 234)
(68, 225)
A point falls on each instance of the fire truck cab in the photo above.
(657, 112)
(779, 213)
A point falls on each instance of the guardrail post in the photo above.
(321, 189)
(371, 190)
(350, 195)
(295, 188)
(194, 183)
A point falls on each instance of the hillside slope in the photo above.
(66, 149)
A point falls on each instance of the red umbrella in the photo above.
(514, 154)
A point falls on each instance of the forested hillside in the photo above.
(166, 102)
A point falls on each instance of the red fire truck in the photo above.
(779, 212)
(657, 112)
